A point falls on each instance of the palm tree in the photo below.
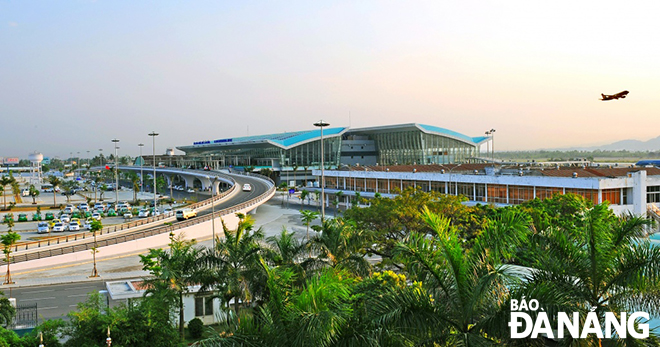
(96, 226)
(307, 218)
(303, 195)
(461, 294)
(34, 193)
(135, 181)
(604, 265)
(8, 241)
(172, 272)
(232, 266)
(337, 200)
(55, 182)
(340, 244)
(4, 182)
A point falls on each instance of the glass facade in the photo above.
(305, 155)
(416, 147)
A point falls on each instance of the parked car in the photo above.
(25, 192)
(144, 213)
(43, 228)
(96, 216)
(65, 218)
(168, 211)
(22, 217)
(88, 223)
(100, 206)
(74, 226)
(190, 190)
(68, 210)
(59, 227)
(49, 216)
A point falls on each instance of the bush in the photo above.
(196, 328)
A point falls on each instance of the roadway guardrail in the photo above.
(82, 246)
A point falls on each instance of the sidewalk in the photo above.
(271, 217)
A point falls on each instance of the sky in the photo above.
(76, 74)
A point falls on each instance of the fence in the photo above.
(82, 246)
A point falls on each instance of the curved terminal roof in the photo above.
(429, 129)
(282, 140)
(296, 138)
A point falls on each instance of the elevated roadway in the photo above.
(225, 204)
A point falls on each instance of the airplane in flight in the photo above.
(615, 96)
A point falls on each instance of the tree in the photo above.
(68, 189)
(8, 240)
(286, 251)
(172, 272)
(7, 311)
(303, 195)
(34, 193)
(4, 182)
(599, 262)
(232, 267)
(55, 182)
(135, 181)
(337, 201)
(462, 293)
(95, 227)
(307, 218)
(340, 244)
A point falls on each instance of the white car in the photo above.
(59, 227)
(190, 190)
(96, 216)
(144, 213)
(43, 228)
(88, 224)
(74, 226)
(168, 211)
(100, 206)
(247, 187)
(65, 218)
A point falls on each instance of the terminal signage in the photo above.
(10, 161)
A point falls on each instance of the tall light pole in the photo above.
(215, 179)
(101, 156)
(492, 146)
(89, 165)
(153, 136)
(141, 165)
(116, 176)
(322, 124)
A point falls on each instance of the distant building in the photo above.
(628, 189)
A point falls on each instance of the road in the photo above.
(55, 301)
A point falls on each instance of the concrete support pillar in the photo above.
(639, 192)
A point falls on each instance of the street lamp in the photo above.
(153, 135)
(215, 179)
(492, 146)
(101, 156)
(322, 124)
(116, 176)
(141, 165)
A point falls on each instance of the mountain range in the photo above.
(629, 145)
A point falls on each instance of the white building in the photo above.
(627, 189)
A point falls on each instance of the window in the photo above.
(612, 195)
(652, 194)
(203, 306)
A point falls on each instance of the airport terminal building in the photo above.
(382, 145)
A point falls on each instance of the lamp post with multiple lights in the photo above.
(116, 176)
(153, 134)
(321, 124)
(491, 133)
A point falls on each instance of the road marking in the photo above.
(48, 298)
(76, 295)
(48, 308)
(40, 291)
(76, 305)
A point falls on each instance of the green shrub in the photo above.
(196, 328)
